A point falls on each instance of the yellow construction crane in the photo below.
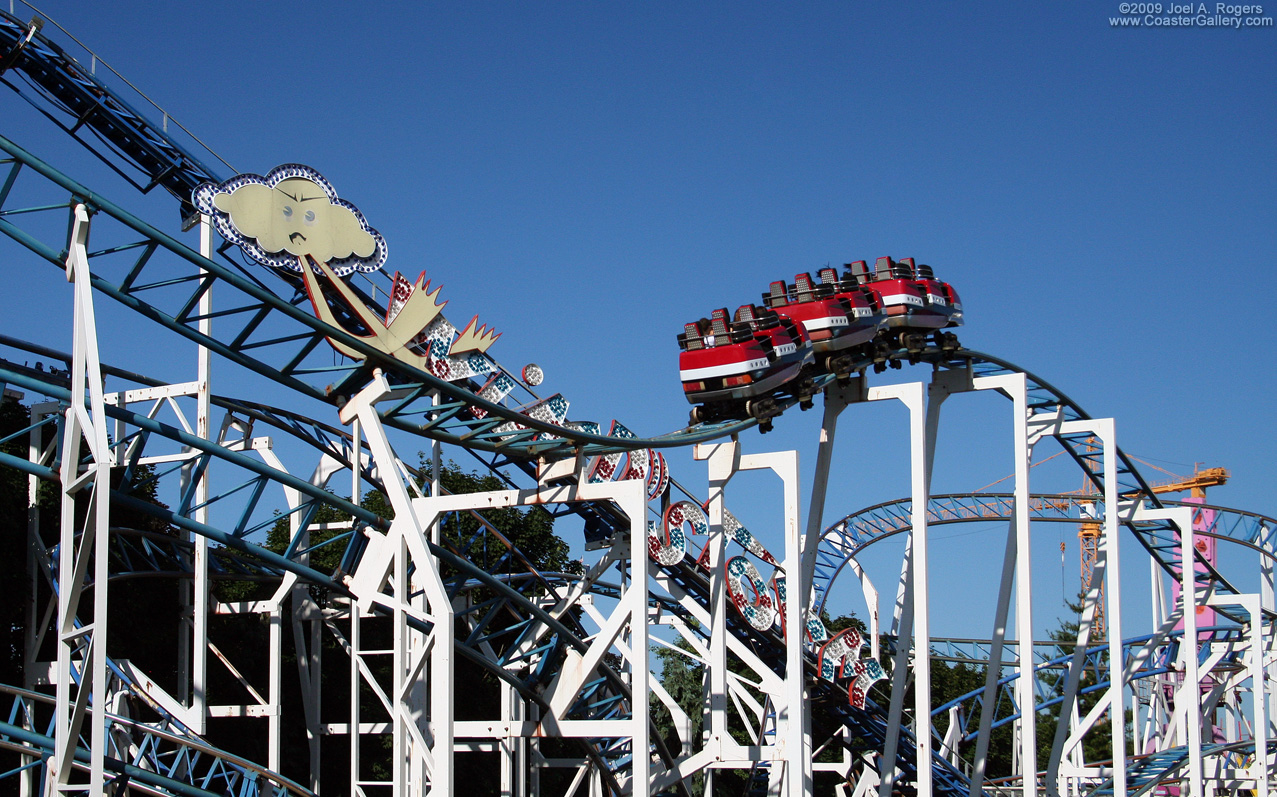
(1088, 534)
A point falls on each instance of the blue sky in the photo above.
(589, 176)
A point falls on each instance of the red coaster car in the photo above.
(837, 321)
(941, 296)
(914, 307)
(733, 368)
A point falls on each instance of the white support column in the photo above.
(1262, 765)
(634, 505)
(512, 748)
(424, 741)
(274, 741)
(199, 671)
(401, 738)
(1108, 573)
(870, 592)
(902, 627)
(1106, 431)
(793, 714)
(624, 632)
(304, 610)
(993, 672)
(836, 398)
(723, 462)
(790, 756)
(1268, 602)
(1188, 695)
(923, 419)
(436, 472)
(86, 643)
(1014, 387)
(36, 558)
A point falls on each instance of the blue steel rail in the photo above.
(163, 279)
(1151, 771)
(73, 98)
(1159, 538)
(1049, 674)
(842, 540)
(140, 756)
(1139, 661)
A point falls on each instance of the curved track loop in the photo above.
(842, 540)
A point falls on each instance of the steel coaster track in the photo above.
(270, 562)
(1157, 537)
(447, 422)
(842, 540)
(455, 420)
(58, 86)
(868, 726)
(327, 440)
(65, 85)
(163, 279)
(1140, 660)
(72, 97)
(1153, 770)
(261, 303)
(1143, 657)
(145, 758)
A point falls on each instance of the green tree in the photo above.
(489, 543)
(951, 680)
(1098, 743)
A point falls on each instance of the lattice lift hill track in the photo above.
(564, 678)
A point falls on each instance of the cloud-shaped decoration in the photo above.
(292, 212)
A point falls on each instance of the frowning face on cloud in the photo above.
(296, 217)
(291, 213)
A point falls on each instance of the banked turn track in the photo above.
(266, 329)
